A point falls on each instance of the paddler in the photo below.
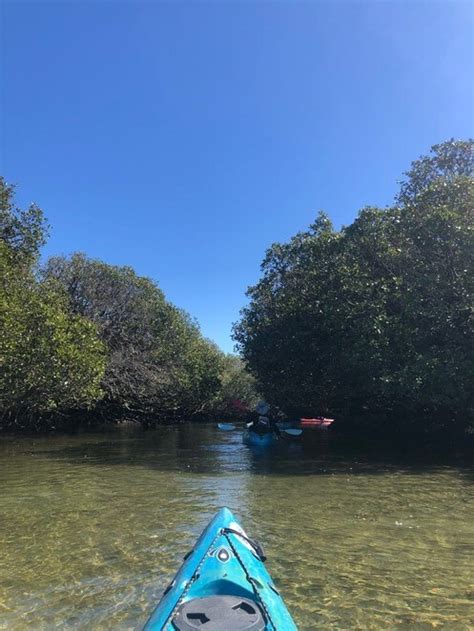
(263, 423)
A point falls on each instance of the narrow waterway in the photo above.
(92, 527)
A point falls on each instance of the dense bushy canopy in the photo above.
(237, 394)
(373, 323)
(158, 362)
(83, 341)
(51, 361)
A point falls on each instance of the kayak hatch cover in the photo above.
(223, 585)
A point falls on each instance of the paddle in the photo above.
(292, 432)
(226, 427)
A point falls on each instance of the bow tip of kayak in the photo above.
(225, 516)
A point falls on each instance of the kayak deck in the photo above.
(223, 585)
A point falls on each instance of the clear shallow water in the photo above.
(92, 528)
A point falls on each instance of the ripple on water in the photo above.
(93, 527)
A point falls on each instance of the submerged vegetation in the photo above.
(373, 323)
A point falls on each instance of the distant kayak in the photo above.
(258, 439)
(223, 585)
(320, 422)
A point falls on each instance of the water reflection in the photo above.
(204, 449)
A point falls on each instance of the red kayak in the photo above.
(319, 422)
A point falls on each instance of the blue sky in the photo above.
(184, 138)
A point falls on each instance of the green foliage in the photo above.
(23, 231)
(374, 322)
(90, 338)
(159, 365)
(51, 362)
(449, 163)
(237, 393)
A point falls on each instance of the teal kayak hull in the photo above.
(259, 440)
(224, 567)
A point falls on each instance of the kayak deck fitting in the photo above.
(223, 585)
